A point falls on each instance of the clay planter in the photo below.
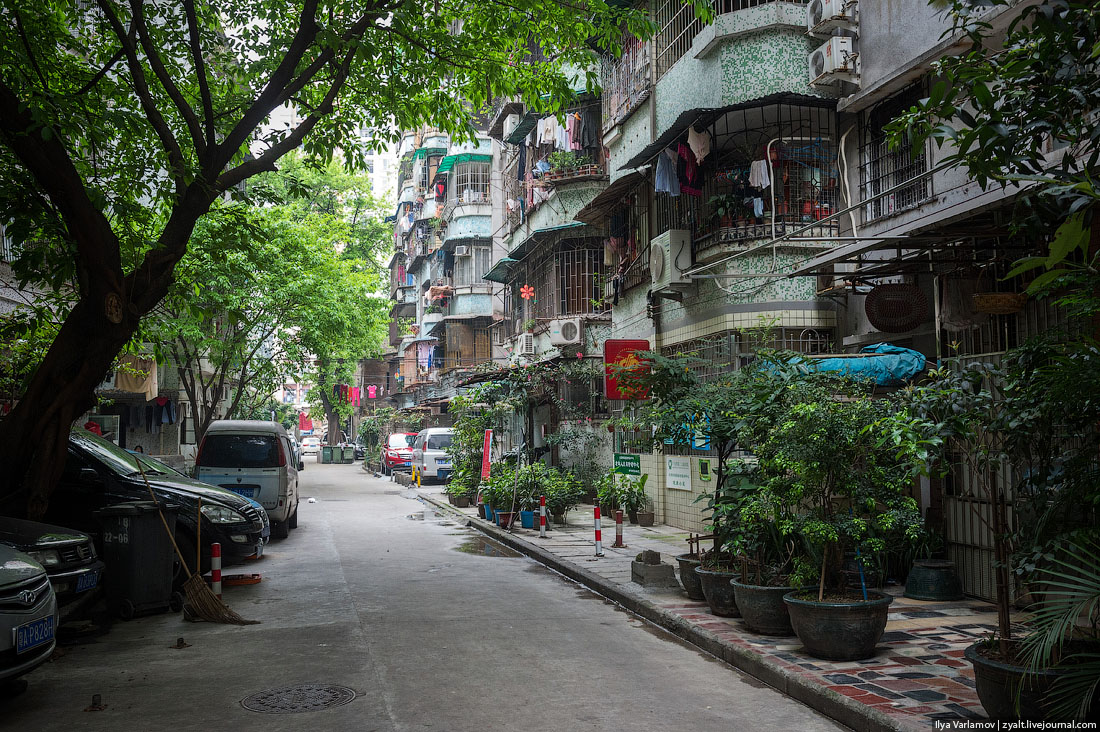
(632, 516)
(481, 510)
(838, 631)
(505, 518)
(688, 578)
(933, 579)
(997, 683)
(645, 518)
(718, 592)
(462, 501)
(763, 609)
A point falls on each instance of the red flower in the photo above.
(527, 292)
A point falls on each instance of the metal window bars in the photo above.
(470, 183)
(624, 81)
(885, 164)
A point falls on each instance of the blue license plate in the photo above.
(246, 492)
(407, 463)
(87, 581)
(33, 634)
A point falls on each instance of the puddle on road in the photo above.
(423, 515)
(486, 547)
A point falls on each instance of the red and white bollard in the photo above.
(618, 530)
(542, 517)
(216, 569)
(599, 534)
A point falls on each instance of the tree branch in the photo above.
(200, 70)
(101, 73)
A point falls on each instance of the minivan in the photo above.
(429, 455)
(256, 460)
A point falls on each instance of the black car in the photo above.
(68, 556)
(98, 473)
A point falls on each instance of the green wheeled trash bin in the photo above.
(326, 454)
(349, 455)
(139, 557)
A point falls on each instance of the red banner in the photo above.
(622, 353)
(486, 449)
(304, 422)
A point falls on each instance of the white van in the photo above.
(429, 455)
(255, 459)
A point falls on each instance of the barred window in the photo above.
(470, 183)
(884, 165)
(579, 272)
(469, 268)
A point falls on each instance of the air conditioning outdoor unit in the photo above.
(669, 257)
(835, 61)
(824, 16)
(526, 345)
(462, 251)
(565, 332)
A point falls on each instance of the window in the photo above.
(239, 451)
(470, 183)
(579, 273)
(470, 268)
(438, 442)
(426, 171)
(883, 166)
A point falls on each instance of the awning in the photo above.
(705, 116)
(526, 123)
(500, 271)
(599, 208)
(448, 162)
(428, 151)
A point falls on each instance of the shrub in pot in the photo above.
(846, 491)
(563, 494)
(632, 497)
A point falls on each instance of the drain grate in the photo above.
(299, 698)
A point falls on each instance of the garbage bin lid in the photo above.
(133, 508)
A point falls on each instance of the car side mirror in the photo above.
(301, 465)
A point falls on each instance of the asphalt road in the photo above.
(432, 627)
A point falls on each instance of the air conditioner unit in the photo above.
(462, 251)
(526, 345)
(824, 16)
(669, 257)
(835, 61)
(565, 332)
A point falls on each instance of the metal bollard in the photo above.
(216, 569)
(599, 535)
(542, 517)
(618, 530)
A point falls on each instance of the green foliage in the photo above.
(631, 493)
(563, 160)
(473, 413)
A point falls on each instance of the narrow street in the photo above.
(430, 625)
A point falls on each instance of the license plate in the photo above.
(246, 492)
(407, 463)
(33, 634)
(87, 581)
(443, 462)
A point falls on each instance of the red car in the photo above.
(397, 452)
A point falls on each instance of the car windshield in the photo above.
(400, 441)
(239, 451)
(106, 452)
(152, 465)
(438, 442)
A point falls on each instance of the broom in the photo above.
(201, 600)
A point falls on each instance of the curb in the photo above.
(836, 706)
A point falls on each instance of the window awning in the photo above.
(599, 208)
(428, 151)
(449, 162)
(526, 124)
(502, 270)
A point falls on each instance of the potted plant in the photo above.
(726, 207)
(933, 577)
(607, 495)
(823, 459)
(632, 497)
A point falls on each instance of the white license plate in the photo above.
(87, 581)
(33, 634)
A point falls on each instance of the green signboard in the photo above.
(628, 464)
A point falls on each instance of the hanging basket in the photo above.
(896, 308)
(998, 303)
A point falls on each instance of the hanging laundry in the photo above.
(758, 207)
(575, 143)
(687, 171)
(441, 190)
(699, 142)
(561, 137)
(164, 411)
(521, 168)
(666, 181)
(758, 174)
(137, 375)
(590, 129)
(372, 392)
(549, 131)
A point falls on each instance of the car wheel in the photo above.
(293, 520)
(280, 529)
(175, 602)
(187, 549)
(126, 609)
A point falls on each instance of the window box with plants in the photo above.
(565, 165)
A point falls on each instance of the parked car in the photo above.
(98, 473)
(397, 452)
(253, 458)
(296, 450)
(311, 445)
(28, 614)
(153, 466)
(360, 451)
(68, 556)
(429, 453)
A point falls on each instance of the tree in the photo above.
(121, 123)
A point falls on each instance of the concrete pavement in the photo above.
(431, 626)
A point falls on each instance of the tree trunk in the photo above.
(34, 436)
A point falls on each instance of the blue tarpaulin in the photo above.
(883, 363)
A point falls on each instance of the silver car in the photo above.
(28, 614)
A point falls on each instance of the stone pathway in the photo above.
(918, 676)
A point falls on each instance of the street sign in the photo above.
(678, 473)
(626, 464)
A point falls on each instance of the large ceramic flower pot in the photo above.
(933, 579)
(997, 683)
(688, 578)
(838, 631)
(763, 609)
(505, 518)
(718, 592)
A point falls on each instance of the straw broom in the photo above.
(201, 599)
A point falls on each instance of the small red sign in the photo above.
(486, 449)
(622, 353)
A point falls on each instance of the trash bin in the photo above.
(326, 454)
(139, 557)
(349, 455)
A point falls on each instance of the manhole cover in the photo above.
(300, 698)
